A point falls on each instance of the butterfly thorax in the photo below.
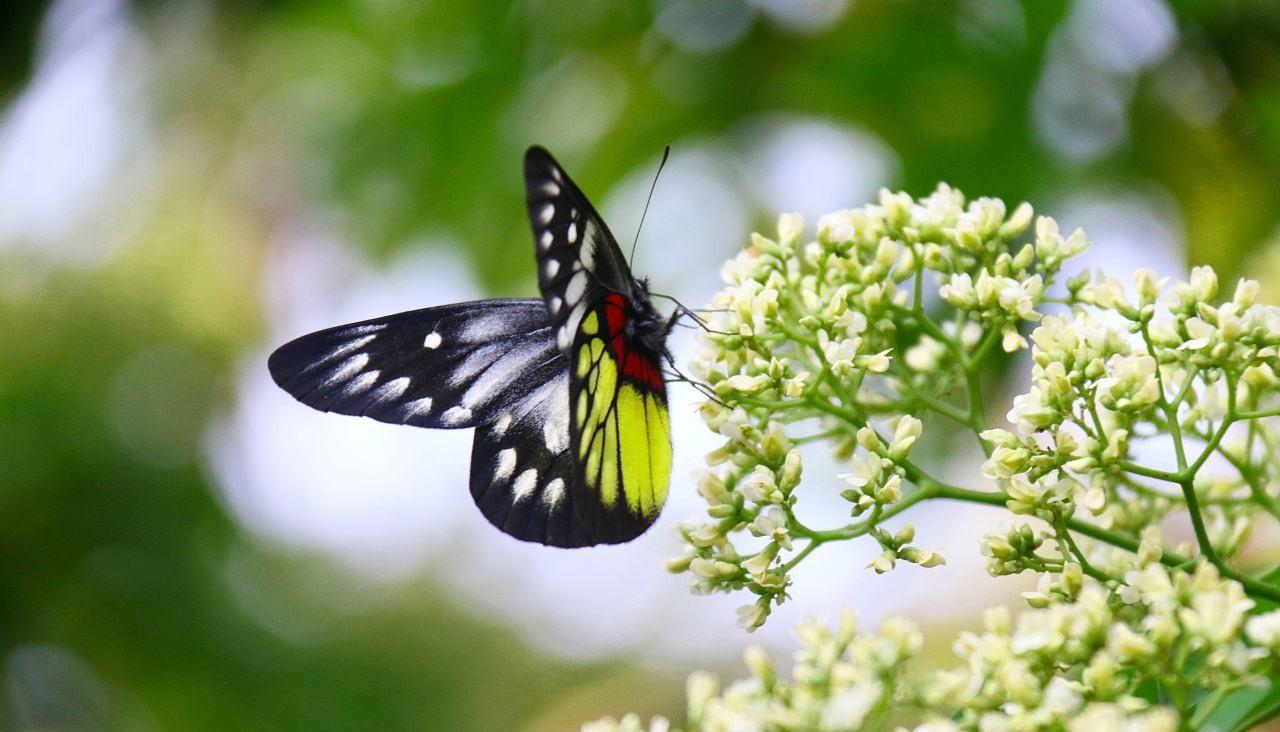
(646, 326)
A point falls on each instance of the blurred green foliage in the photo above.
(400, 121)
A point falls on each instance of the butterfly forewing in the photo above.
(443, 367)
(619, 423)
(578, 260)
(492, 365)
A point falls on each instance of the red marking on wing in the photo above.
(634, 364)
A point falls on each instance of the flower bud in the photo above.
(883, 562)
(790, 226)
(1018, 221)
(1204, 283)
(905, 435)
(791, 470)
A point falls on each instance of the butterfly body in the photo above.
(566, 393)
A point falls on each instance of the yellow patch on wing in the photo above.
(635, 445)
(624, 435)
(660, 450)
(645, 446)
(609, 468)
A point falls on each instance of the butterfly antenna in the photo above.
(674, 375)
(666, 152)
(699, 321)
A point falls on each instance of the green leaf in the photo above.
(1245, 709)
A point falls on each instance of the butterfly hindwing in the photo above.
(619, 426)
(521, 469)
(443, 367)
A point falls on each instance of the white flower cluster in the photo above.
(1177, 369)
(805, 335)
(840, 680)
(1091, 645)
(1082, 662)
(885, 325)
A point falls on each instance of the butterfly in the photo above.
(566, 393)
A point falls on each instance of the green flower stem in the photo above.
(974, 418)
(921, 493)
(1188, 472)
(946, 409)
(1060, 527)
(928, 487)
(1253, 587)
(1248, 473)
(983, 349)
(927, 324)
(1144, 471)
(814, 543)
(1197, 524)
(1184, 478)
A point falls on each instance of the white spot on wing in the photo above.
(348, 347)
(392, 389)
(550, 188)
(555, 173)
(347, 369)
(571, 323)
(572, 233)
(554, 492)
(360, 383)
(524, 485)
(556, 436)
(417, 407)
(506, 465)
(577, 287)
(551, 268)
(545, 215)
(587, 254)
(484, 326)
(567, 332)
(432, 340)
(546, 240)
(501, 425)
(455, 415)
(555, 304)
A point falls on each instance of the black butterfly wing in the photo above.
(521, 469)
(444, 367)
(579, 261)
(492, 365)
(620, 433)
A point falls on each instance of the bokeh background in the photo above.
(185, 185)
